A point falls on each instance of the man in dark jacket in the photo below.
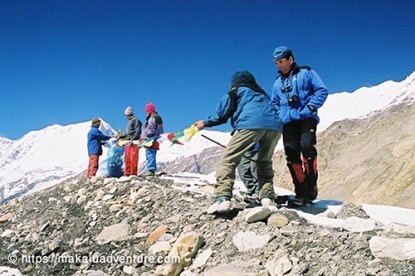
(133, 132)
(297, 94)
(95, 138)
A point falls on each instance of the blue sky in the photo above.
(65, 62)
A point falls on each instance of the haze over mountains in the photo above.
(365, 144)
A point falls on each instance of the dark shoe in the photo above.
(280, 200)
(299, 202)
(252, 201)
(221, 205)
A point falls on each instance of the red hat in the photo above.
(149, 108)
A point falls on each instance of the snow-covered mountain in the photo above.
(45, 157)
(365, 101)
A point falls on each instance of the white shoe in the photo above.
(267, 202)
(223, 206)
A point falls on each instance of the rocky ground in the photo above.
(135, 226)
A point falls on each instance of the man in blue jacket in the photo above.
(253, 120)
(297, 94)
(95, 138)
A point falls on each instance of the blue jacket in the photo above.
(293, 93)
(95, 136)
(247, 109)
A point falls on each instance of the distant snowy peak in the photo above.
(365, 101)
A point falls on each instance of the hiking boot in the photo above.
(149, 174)
(221, 205)
(252, 201)
(280, 200)
(299, 202)
(267, 202)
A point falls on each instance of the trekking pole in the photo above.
(210, 139)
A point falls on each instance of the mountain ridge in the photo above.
(44, 157)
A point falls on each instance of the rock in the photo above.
(355, 224)
(7, 233)
(93, 273)
(81, 200)
(6, 217)
(82, 191)
(107, 197)
(157, 234)
(160, 246)
(324, 232)
(115, 232)
(279, 266)
(397, 249)
(351, 210)
(185, 248)
(129, 270)
(44, 226)
(167, 237)
(277, 220)
(400, 228)
(109, 181)
(174, 219)
(236, 268)
(202, 259)
(54, 245)
(140, 235)
(116, 207)
(246, 241)
(258, 214)
(4, 270)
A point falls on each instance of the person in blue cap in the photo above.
(254, 121)
(298, 93)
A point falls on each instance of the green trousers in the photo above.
(241, 141)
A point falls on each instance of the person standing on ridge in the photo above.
(133, 132)
(254, 121)
(95, 138)
(298, 93)
(153, 128)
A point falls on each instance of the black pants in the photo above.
(300, 137)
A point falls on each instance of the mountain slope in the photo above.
(366, 160)
(127, 226)
(43, 158)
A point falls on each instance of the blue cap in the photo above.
(282, 52)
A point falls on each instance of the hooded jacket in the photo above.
(154, 126)
(247, 105)
(294, 92)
